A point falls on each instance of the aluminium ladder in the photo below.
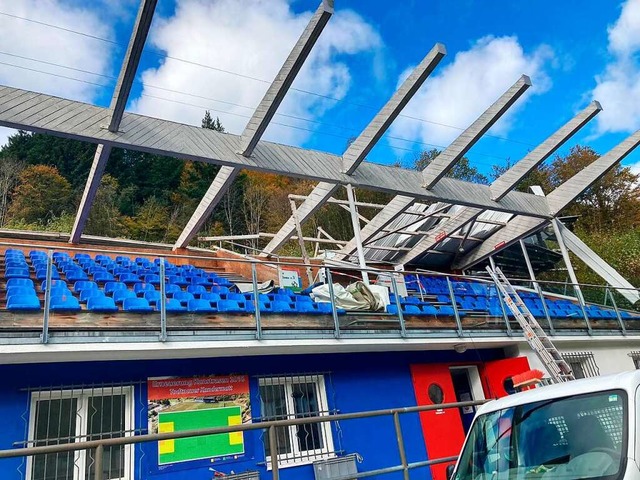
(558, 368)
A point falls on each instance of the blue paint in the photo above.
(357, 382)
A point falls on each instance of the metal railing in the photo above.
(97, 447)
(452, 318)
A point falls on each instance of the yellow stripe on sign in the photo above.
(235, 438)
(166, 446)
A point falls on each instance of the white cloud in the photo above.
(254, 38)
(618, 86)
(32, 40)
(458, 93)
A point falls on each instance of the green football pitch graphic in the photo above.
(207, 446)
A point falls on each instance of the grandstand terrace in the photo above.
(89, 321)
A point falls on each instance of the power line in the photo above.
(341, 127)
(249, 77)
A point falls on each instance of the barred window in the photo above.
(293, 397)
(635, 356)
(66, 416)
(583, 364)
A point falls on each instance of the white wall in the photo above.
(611, 356)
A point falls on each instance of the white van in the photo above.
(579, 429)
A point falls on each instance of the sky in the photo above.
(221, 55)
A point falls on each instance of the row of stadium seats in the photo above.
(106, 284)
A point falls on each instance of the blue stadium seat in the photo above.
(129, 278)
(84, 285)
(211, 297)
(183, 297)
(173, 306)
(281, 298)
(218, 289)
(143, 287)
(303, 299)
(20, 291)
(200, 306)
(20, 282)
(54, 284)
(278, 306)
(102, 304)
(429, 309)
(238, 297)
(262, 297)
(196, 290)
(152, 297)
(79, 256)
(306, 307)
(17, 272)
(152, 278)
(178, 280)
(230, 306)
(64, 303)
(23, 303)
(200, 281)
(103, 277)
(171, 289)
(76, 275)
(85, 295)
(111, 287)
(136, 305)
(120, 296)
(446, 310)
(41, 273)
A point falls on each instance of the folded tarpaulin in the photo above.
(264, 287)
(356, 296)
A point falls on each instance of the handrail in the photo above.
(277, 261)
(271, 425)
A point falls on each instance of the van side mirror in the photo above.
(450, 468)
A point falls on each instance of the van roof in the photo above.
(628, 381)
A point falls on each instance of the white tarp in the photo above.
(356, 296)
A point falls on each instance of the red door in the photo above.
(442, 429)
(494, 375)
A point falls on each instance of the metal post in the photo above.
(536, 285)
(455, 306)
(44, 337)
(500, 301)
(623, 329)
(97, 464)
(355, 222)
(163, 301)
(273, 452)
(394, 286)
(303, 249)
(401, 450)
(256, 299)
(332, 297)
(569, 265)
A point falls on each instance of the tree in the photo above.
(10, 169)
(104, 217)
(150, 222)
(462, 170)
(41, 194)
(208, 122)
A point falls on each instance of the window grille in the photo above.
(80, 414)
(291, 397)
(635, 356)
(583, 364)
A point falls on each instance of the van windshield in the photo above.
(582, 436)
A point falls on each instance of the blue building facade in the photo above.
(352, 382)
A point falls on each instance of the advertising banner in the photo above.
(190, 403)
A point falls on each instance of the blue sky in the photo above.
(574, 51)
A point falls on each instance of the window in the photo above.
(581, 436)
(302, 396)
(635, 356)
(583, 364)
(64, 416)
